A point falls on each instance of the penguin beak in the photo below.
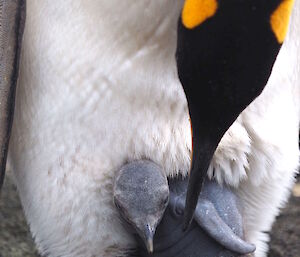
(147, 236)
(149, 244)
(203, 151)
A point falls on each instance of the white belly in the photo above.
(98, 87)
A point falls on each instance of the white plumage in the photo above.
(98, 87)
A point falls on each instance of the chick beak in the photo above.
(149, 232)
(149, 245)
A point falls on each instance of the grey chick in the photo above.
(217, 229)
(154, 209)
(141, 194)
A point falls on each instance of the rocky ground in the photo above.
(286, 231)
(15, 239)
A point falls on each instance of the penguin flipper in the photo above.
(12, 21)
(219, 214)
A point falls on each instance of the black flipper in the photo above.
(225, 54)
(206, 239)
(12, 20)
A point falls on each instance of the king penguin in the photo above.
(99, 87)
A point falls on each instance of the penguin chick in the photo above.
(141, 194)
(217, 230)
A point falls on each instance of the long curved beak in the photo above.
(204, 147)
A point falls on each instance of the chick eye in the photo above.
(166, 201)
(179, 210)
(117, 205)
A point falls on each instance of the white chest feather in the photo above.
(98, 87)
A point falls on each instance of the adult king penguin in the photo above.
(98, 87)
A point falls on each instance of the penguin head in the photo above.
(225, 54)
(141, 195)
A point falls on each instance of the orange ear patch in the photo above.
(280, 19)
(196, 12)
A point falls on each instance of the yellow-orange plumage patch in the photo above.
(280, 19)
(196, 12)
